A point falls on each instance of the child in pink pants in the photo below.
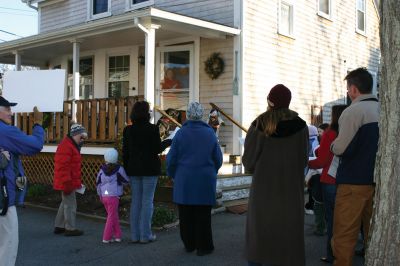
(110, 181)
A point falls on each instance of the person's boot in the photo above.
(74, 232)
(320, 223)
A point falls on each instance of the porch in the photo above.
(104, 120)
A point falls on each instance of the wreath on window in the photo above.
(214, 66)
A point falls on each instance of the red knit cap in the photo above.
(279, 97)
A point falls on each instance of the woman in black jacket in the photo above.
(141, 146)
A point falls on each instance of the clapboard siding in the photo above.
(218, 91)
(74, 12)
(219, 11)
(313, 64)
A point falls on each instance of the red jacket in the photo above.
(324, 157)
(67, 166)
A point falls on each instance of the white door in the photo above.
(175, 77)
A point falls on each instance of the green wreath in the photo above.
(214, 66)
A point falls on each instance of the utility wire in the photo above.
(17, 9)
(11, 33)
(17, 14)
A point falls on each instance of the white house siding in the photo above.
(313, 64)
(218, 11)
(218, 91)
(73, 12)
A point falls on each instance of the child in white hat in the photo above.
(110, 181)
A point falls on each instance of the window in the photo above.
(134, 4)
(286, 17)
(361, 23)
(324, 8)
(118, 76)
(85, 81)
(99, 8)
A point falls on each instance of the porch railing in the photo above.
(104, 119)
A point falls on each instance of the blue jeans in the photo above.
(20, 197)
(329, 196)
(142, 188)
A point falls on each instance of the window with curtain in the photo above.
(118, 76)
(361, 15)
(286, 18)
(324, 7)
(99, 6)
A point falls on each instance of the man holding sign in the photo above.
(16, 143)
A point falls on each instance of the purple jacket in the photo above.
(110, 180)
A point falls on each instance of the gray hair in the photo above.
(195, 111)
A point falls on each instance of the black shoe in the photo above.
(360, 252)
(74, 232)
(326, 260)
(201, 252)
(189, 250)
(58, 230)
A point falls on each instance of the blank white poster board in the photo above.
(41, 88)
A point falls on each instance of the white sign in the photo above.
(41, 88)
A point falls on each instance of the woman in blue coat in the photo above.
(193, 162)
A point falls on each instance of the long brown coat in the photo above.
(275, 220)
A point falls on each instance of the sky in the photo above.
(17, 18)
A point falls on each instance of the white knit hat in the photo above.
(111, 156)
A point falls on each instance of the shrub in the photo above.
(36, 190)
(163, 215)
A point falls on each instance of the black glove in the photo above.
(165, 144)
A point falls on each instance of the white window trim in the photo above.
(130, 6)
(291, 3)
(91, 16)
(364, 33)
(324, 15)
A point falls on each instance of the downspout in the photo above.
(29, 3)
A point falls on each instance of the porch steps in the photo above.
(235, 188)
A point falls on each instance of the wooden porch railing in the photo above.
(104, 119)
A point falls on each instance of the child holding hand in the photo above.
(110, 181)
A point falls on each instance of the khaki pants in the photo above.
(66, 214)
(9, 237)
(353, 206)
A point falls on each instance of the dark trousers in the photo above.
(329, 195)
(195, 227)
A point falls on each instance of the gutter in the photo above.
(29, 3)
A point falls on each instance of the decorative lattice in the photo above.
(40, 169)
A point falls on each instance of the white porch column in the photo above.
(75, 75)
(17, 60)
(150, 44)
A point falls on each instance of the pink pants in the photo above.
(112, 228)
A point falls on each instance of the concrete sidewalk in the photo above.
(39, 246)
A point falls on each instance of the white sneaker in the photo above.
(309, 212)
(118, 240)
(106, 241)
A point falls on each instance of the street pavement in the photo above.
(39, 246)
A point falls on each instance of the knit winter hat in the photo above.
(279, 97)
(77, 129)
(194, 111)
(111, 156)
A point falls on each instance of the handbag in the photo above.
(334, 166)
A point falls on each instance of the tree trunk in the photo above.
(384, 240)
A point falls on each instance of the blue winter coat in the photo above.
(193, 162)
(18, 143)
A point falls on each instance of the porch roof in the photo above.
(115, 31)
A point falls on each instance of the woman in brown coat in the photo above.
(276, 153)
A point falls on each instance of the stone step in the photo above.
(238, 202)
(232, 188)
